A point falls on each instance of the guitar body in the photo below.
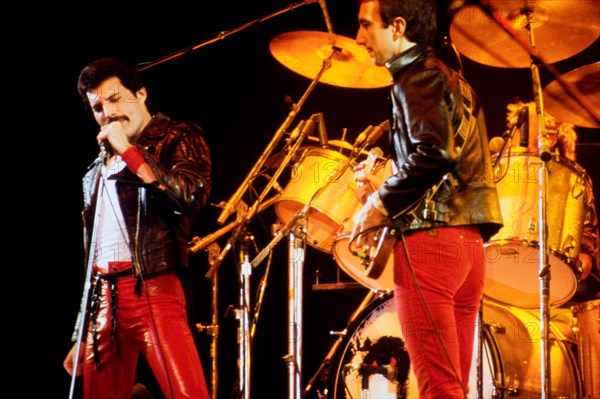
(372, 266)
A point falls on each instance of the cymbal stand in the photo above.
(545, 156)
(544, 264)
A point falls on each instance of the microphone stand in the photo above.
(545, 156)
(87, 282)
(222, 35)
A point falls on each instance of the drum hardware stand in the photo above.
(544, 265)
(213, 329)
(323, 370)
(303, 131)
(295, 232)
(545, 156)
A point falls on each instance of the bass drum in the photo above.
(510, 356)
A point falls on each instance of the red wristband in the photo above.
(133, 158)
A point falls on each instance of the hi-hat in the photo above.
(560, 104)
(304, 52)
(561, 29)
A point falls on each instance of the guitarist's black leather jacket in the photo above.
(443, 177)
(158, 217)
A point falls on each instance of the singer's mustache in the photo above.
(116, 119)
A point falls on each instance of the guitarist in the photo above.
(441, 198)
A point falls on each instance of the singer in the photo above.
(140, 198)
(441, 194)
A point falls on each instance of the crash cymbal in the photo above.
(561, 105)
(561, 29)
(304, 52)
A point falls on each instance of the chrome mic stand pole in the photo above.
(242, 314)
(544, 264)
(81, 323)
(295, 291)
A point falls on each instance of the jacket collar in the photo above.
(151, 131)
(401, 61)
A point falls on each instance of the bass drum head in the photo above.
(510, 357)
(374, 336)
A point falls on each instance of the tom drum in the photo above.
(513, 254)
(323, 180)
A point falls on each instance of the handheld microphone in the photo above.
(390, 372)
(105, 150)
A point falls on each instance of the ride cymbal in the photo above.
(560, 104)
(305, 51)
(561, 29)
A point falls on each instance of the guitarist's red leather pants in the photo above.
(153, 325)
(449, 268)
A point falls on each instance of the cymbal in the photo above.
(561, 29)
(304, 52)
(561, 105)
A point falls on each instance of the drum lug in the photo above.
(532, 226)
(496, 328)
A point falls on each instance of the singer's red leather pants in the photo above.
(449, 269)
(153, 324)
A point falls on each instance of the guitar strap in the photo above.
(426, 208)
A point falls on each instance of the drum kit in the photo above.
(321, 191)
(323, 182)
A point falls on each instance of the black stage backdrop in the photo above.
(241, 95)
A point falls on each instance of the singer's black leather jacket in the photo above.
(431, 102)
(159, 216)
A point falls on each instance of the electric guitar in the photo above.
(375, 257)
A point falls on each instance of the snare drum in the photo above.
(513, 253)
(324, 180)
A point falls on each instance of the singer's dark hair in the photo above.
(420, 16)
(101, 69)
